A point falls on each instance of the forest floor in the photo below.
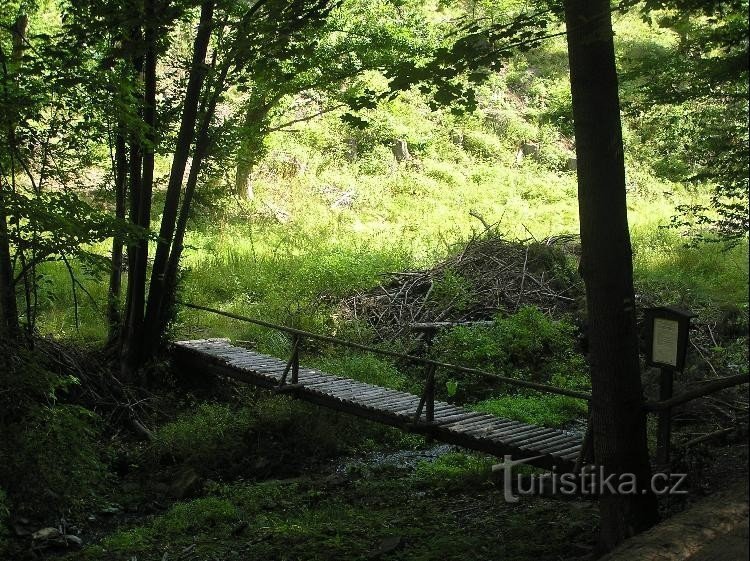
(288, 480)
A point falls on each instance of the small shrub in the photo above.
(527, 345)
(452, 467)
(484, 145)
(54, 460)
(209, 514)
(200, 435)
(544, 410)
(451, 291)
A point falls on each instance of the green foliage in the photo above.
(54, 459)
(451, 290)
(200, 435)
(206, 514)
(527, 345)
(542, 410)
(365, 367)
(691, 102)
(451, 468)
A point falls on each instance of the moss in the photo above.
(56, 460)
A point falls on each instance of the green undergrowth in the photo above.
(51, 460)
(527, 345)
(261, 435)
(331, 518)
(543, 410)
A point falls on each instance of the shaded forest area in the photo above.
(544, 171)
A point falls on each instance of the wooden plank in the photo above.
(395, 404)
(376, 400)
(519, 438)
(485, 431)
(545, 442)
(537, 441)
(469, 423)
(552, 449)
(442, 421)
(507, 431)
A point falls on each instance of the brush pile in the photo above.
(489, 275)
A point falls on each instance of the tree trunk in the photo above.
(243, 187)
(139, 273)
(254, 130)
(115, 275)
(619, 424)
(134, 295)
(179, 163)
(9, 327)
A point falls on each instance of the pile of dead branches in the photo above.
(489, 275)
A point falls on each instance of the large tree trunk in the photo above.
(619, 424)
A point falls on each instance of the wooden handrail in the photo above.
(701, 391)
(417, 359)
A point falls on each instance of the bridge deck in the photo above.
(549, 448)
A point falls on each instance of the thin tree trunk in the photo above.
(185, 138)
(202, 144)
(255, 115)
(619, 424)
(9, 327)
(115, 275)
(134, 295)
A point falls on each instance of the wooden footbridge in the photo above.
(547, 448)
(542, 447)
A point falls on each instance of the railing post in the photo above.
(427, 401)
(295, 359)
(293, 363)
(664, 429)
(430, 394)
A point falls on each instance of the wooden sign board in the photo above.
(667, 336)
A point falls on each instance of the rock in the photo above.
(400, 150)
(186, 483)
(345, 200)
(21, 527)
(70, 539)
(530, 149)
(46, 534)
(352, 148)
(386, 545)
(111, 509)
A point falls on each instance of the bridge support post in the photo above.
(664, 429)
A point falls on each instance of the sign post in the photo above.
(667, 338)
